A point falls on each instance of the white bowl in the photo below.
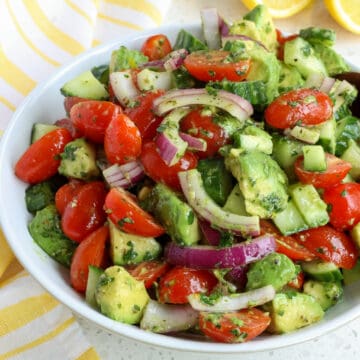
(45, 104)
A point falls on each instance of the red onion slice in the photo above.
(193, 189)
(212, 236)
(175, 59)
(211, 27)
(125, 175)
(327, 84)
(164, 318)
(169, 143)
(193, 142)
(234, 302)
(233, 104)
(211, 257)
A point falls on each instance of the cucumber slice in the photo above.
(327, 138)
(85, 85)
(322, 271)
(314, 158)
(307, 135)
(39, 130)
(352, 275)
(352, 155)
(94, 274)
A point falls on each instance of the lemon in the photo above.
(346, 13)
(279, 8)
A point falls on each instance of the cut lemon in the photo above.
(279, 8)
(346, 13)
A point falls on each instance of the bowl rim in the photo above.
(270, 342)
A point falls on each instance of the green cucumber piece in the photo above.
(322, 271)
(314, 158)
(93, 277)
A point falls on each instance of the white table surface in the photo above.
(343, 343)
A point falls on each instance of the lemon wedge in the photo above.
(279, 8)
(346, 13)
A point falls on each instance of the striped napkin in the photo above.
(36, 37)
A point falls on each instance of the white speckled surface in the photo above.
(343, 343)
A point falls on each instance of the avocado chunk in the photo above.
(274, 269)
(127, 249)
(292, 310)
(261, 181)
(45, 229)
(261, 17)
(78, 160)
(177, 217)
(289, 78)
(39, 196)
(252, 137)
(245, 27)
(120, 296)
(327, 294)
(235, 203)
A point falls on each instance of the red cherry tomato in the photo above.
(91, 251)
(330, 245)
(126, 214)
(149, 271)
(336, 170)
(66, 193)
(299, 107)
(143, 116)
(177, 284)
(85, 212)
(344, 204)
(202, 126)
(212, 65)
(156, 47)
(92, 117)
(156, 168)
(122, 142)
(286, 245)
(234, 327)
(282, 40)
(70, 101)
(41, 160)
(298, 282)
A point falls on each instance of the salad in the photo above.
(209, 185)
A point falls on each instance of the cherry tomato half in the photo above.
(122, 142)
(156, 47)
(41, 160)
(66, 193)
(92, 117)
(336, 170)
(234, 327)
(149, 271)
(211, 65)
(282, 40)
(286, 245)
(159, 171)
(127, 215)
(330, 245)
(202, 126)
(178, 283)
(85, 212)
(143, 116)
(91, 251)
(299, 107)
(344, 204)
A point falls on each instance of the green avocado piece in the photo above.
(292, 310)
(177, 217)
(78, 160)
(128, 249)
(274, 269)
(290, 78)
(120, 296)
(262, 182)
(45, 229)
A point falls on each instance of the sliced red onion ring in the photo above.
(123, 86)
(175, 59)
(234, 302)
(224, 27)
(211, 257)
(125, 175)
(164, 318)
(212, 236)
(193, 142)
(211, 27)
(154, 64)
(169, 143)
(193, 189)
(237, 276)
(226, 38)
(233, 104)
(327, 84)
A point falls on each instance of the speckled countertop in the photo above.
(343, 343)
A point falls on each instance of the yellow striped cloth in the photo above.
(36, 37)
